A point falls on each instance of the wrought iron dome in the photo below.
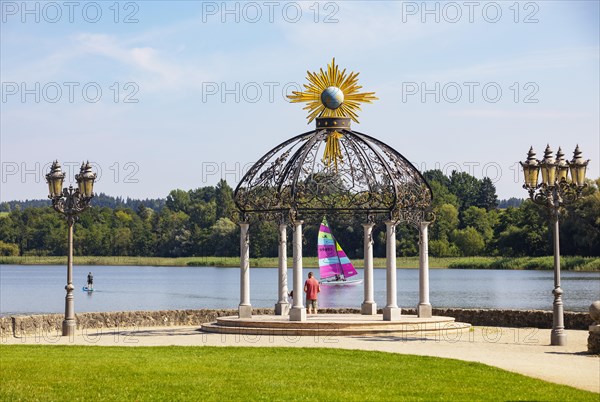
(334, 169)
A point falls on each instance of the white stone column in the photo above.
(424, 307)
(282, 307)
(298, 312)
(391, 312)
(368, 307)
(245, 308)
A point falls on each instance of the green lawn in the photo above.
(248, 374)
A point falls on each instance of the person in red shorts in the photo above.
(312, 289)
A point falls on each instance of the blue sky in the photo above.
(162, 95)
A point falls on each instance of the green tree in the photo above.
(144, 212)
(121, 241)
(223, 236)
(487, 197)
(8, 249)
(468, 240)
(523, 231)
(481, 221)
(204, 214)
(443, 248)
(224, 201)
(580, 225)
(142, 237)
(43, 231)
(93, 233)
(203, 194)
(197, 223)
(442, 195)
(466, 188)
(178, 201)
(202, 241)
(446, 221)
(9, 227)
(407, 241)
(172, 234)
(437, 175)
(264, 238)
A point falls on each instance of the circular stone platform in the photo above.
(332, 325)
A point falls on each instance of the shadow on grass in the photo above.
(149, 332)
(392, 338)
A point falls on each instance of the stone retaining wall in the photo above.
(515, 318)
(52, 323)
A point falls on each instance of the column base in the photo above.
(68, 328)
(282, 308)
(558, 338)
(368, 308)
(245, 311)
(424, 310)
(298, 314)
(392, 314)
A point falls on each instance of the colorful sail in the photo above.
(347, 267)
(332, 258)
(329, 262)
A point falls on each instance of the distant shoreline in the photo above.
(587, 264)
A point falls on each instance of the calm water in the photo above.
(40, 289)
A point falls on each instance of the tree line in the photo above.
(203, 222)
(100, 200)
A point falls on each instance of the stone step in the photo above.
(331, 320)
(221, 329)
(332, 324)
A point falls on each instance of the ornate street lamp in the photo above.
(70, 202)
(554, 192)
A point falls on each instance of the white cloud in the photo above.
(154, 69)
(150, 65)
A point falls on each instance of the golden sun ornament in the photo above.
(332, 94)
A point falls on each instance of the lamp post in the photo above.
(554, 192)
(70, 202)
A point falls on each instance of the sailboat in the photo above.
(335, 267)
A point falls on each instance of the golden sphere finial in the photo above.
(333, 93)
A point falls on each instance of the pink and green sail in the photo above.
(332, 258)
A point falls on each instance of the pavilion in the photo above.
(334, 170)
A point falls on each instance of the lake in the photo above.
(40, 289)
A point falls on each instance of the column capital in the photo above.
(390, 227)
(298, 223)
(424, 224)
(367, 225)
